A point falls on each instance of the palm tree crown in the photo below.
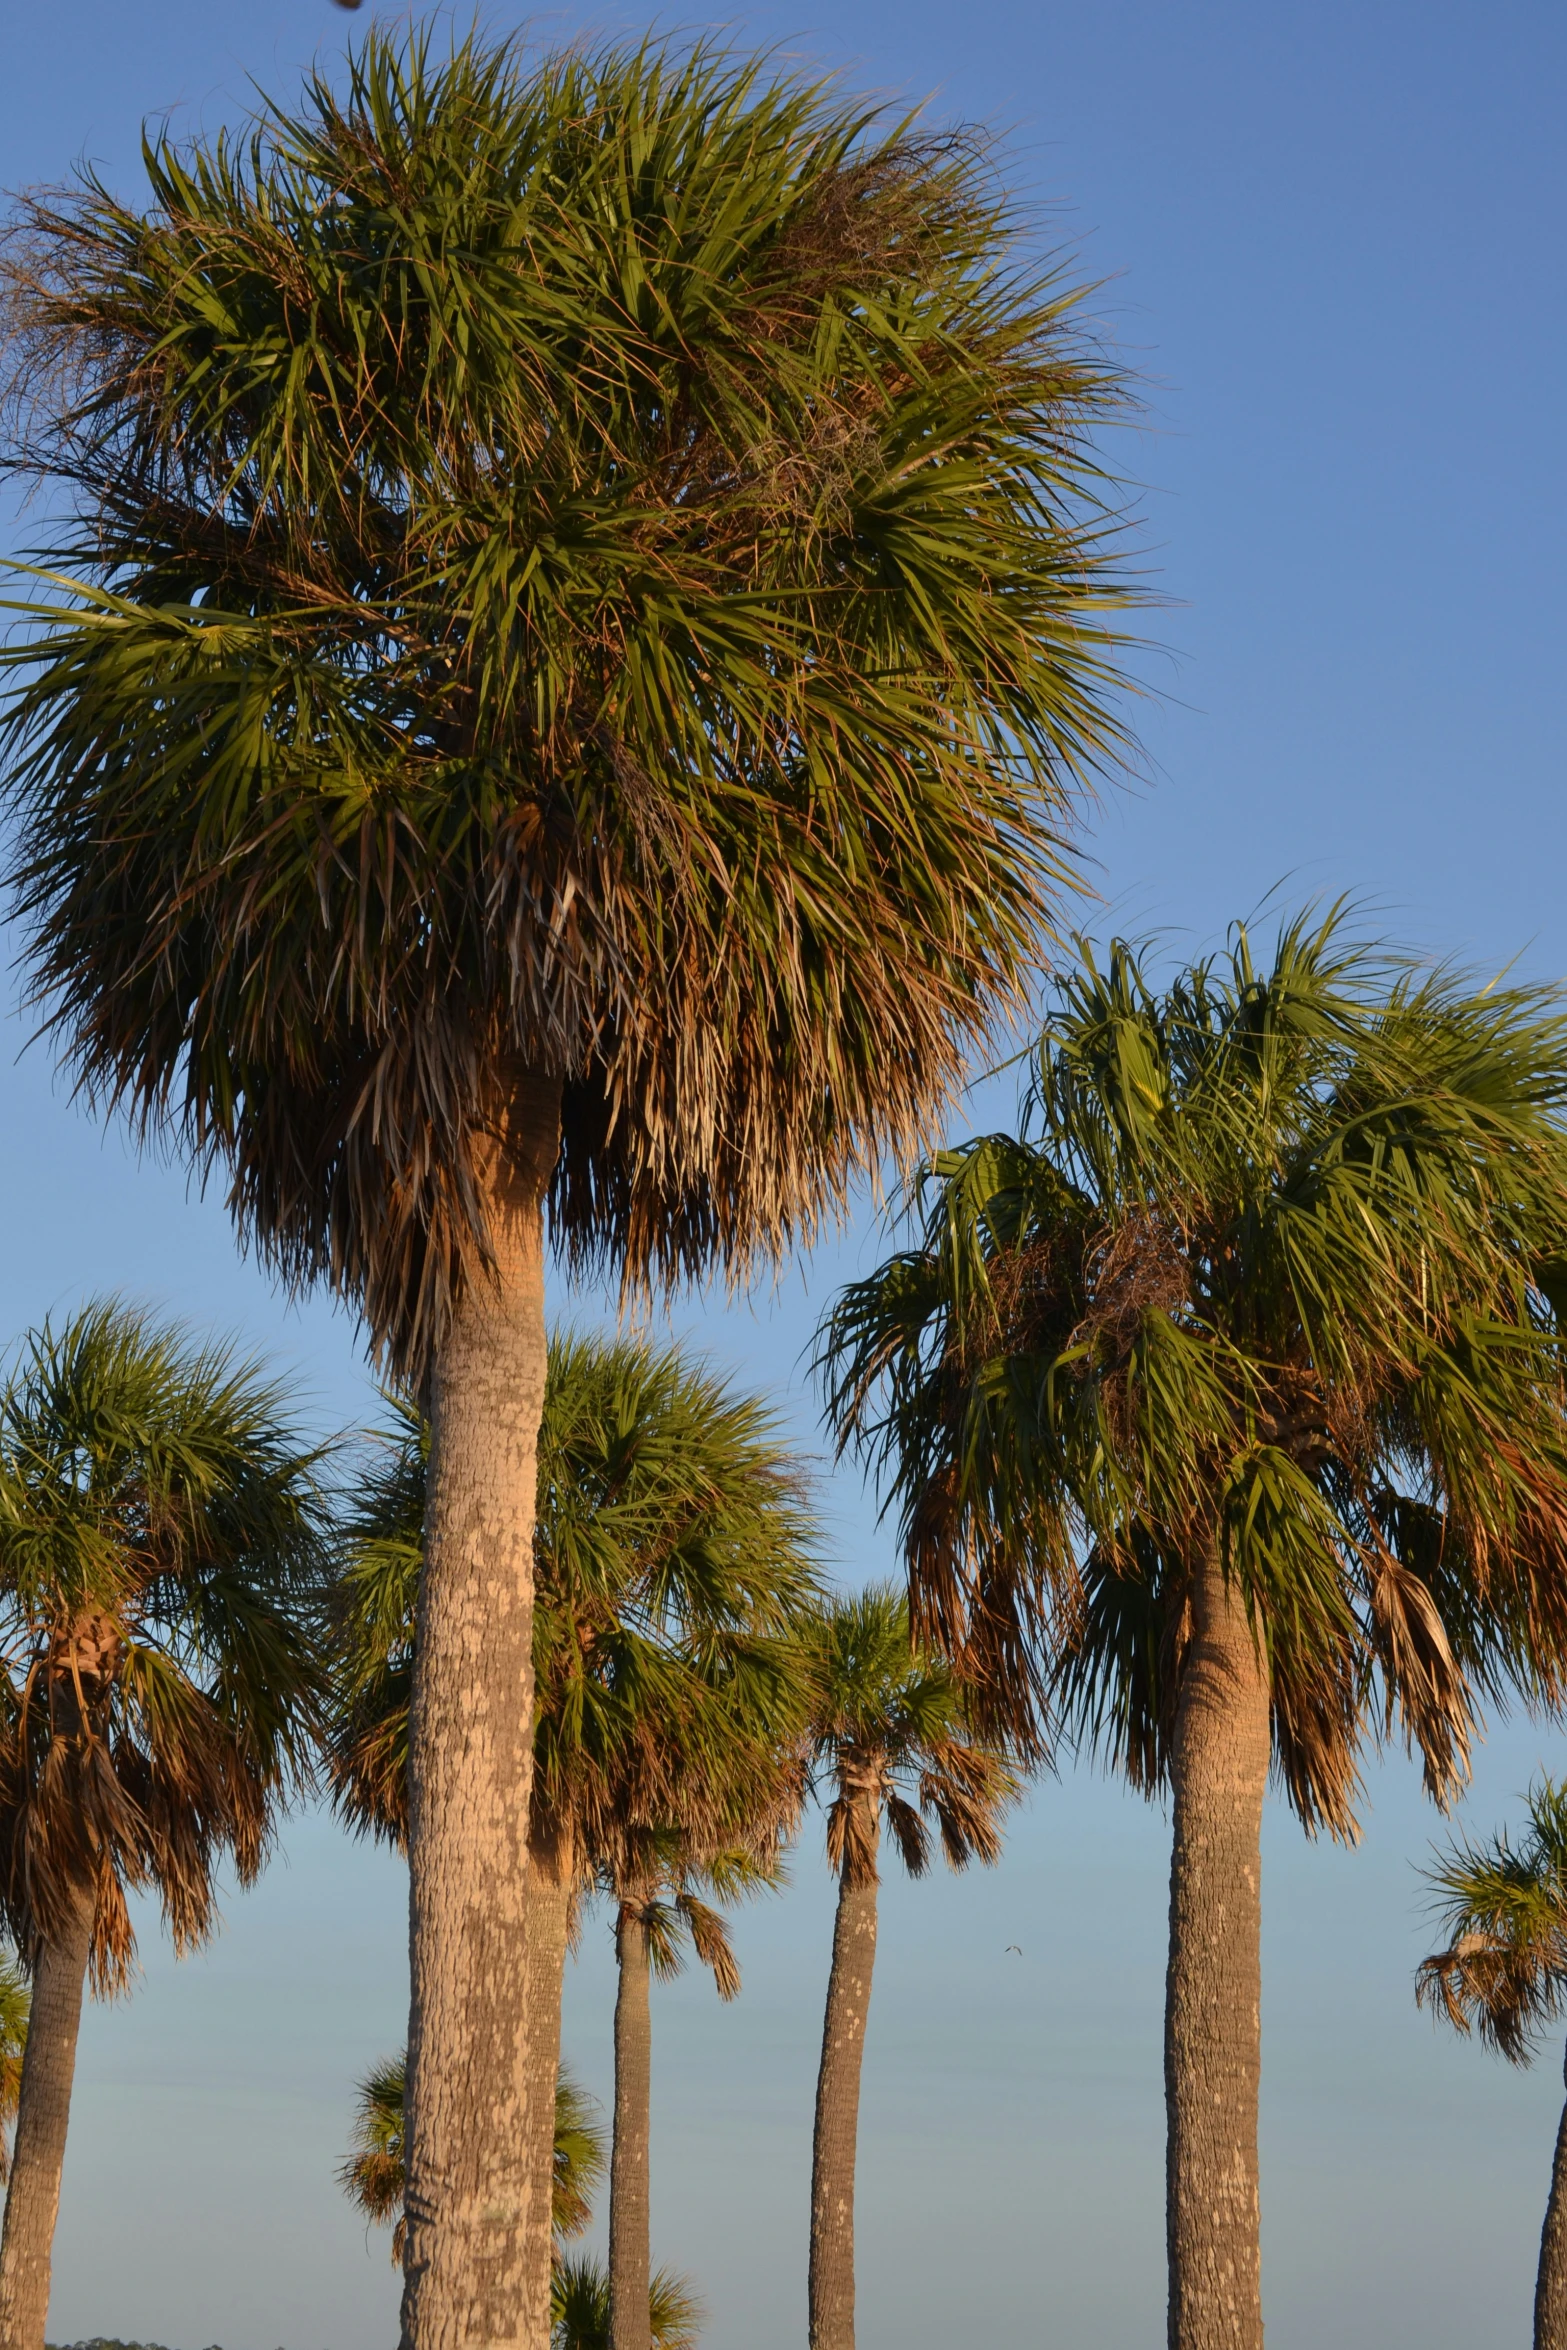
(1278, 1270)
(162, 1545)
(593, 567)
(889, 1738)
(1504, 1907)
(375, 2175)
(674, 1552)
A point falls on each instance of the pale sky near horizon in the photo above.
(1329, 239)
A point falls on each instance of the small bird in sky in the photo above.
(1011, 1946)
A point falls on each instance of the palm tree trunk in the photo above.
(838, 2112)
(470, 2192)
(1213, 1997)
(32, 2202)
(630, 2234)
(1550, 2290)
(549, 1916)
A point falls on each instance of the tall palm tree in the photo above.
(889, 1741)
(673, 1552)
(161, 1553)
(1504, 1972)
(588, 606)
(1224, 1409)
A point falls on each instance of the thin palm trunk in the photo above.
(470, 2189)
(1550, 2290)
(838, 2111)
(1213, 2002)
(32, 2202)
(549, 1915)
(630, 2229)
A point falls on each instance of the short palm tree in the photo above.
(586, 611)
(889, 1742)
(1504, 1973)
(673, 1552)
(375, 2176)
(161, 1553)
(1224, 1409)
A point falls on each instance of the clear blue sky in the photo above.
(1330, 237)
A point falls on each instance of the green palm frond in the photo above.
(1269, 1270)
(600, 560)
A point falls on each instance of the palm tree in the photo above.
(1504, 1972)
(375, 2175)
(655, 1879)
(161, 1551)
(1224, 1411)
(673, 1552)
(587, 609)
(890, 1742)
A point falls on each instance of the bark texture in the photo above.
(835, 2146)
(1213, 1999)
(32, 2202)
(470, 2191)
(1550, 2289)
(630, 2226)
(549, 1915)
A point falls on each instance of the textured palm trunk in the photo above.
(549, 1919)
(630, 2229)
(1550, 2290)
(836, 2142)
(32, 2202)
(1213, 2002)
(470, 2190)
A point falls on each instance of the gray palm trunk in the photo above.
(1213, 2002)
(549, 1918)
(32, 2202)
(472, 2186)
(630, 2222)
(1550, 2290)
(835, 2146)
